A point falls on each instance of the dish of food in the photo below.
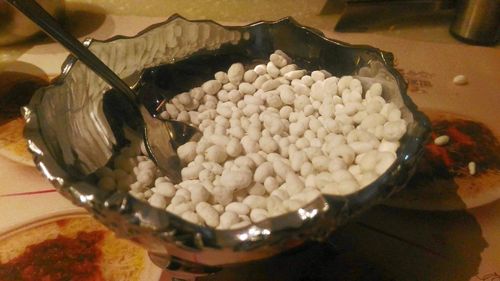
(445, 179)
(72, 247)
(71, 146)
(274, 138)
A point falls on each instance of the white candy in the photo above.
(274, 139)
(235, 73)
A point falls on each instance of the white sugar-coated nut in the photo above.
(284, 55)
(348, 186)
(388, 146)
(275, 206)
(321, 163)
(317, 75)
(234, 147)
(250, 76)
(246, 88)
(343, 151)
(191, 172)
(206, 176)
(460, 80)
(260, 69)
(367, 178)
(208, 214)
(268, 144)
(442, 140)
(394, 130)
(263, 171)
(249, 144)
(361, 147)
(221, 77)
(222, 195)
(238, 207)
(294, 184)
(257, 215)
(306, 169)
(287, 95)
(145, 177)
(257, 189)
(166, 189)
(301, 102)
(183, 192)
(285, 112)
(281, 169)
(256, 158)
(288, 68)
(310, 181)
(273, 99)
(245, 161)
(185, 98)
(241, 224)
(187, 151)
(260, 81)
(227, 219)
(148, 193)
(278, 60)
(269, 85)
(229, 87)
(472, 168)
(158, 201)
(183, 116)
(222, 95)
(367, 161)
(301, 143)
(106, 182)
(235, 73)
(344, 82)
(307, 195)
(295, 74)
(270, 184)
(298, 159)
(386, 159)
(211, 87)
(219, 208)
(272, 70)
(191, 217)
(172, 110)
(236, 179)
(160, 180)
(292, 205)
(341, 175)
(255, 201)
(308, 81)
(216, 153)
(199, 194)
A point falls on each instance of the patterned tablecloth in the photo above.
(385, 243)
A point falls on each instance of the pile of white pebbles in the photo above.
(274, 139)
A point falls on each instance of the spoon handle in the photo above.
(49, 25)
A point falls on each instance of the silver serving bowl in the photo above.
(70, 135)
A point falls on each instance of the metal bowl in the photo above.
(70, 137)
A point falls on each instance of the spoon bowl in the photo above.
(161, 137)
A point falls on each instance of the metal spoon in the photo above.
(161, 137)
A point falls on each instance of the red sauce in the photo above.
(62, 258)
(469, 141)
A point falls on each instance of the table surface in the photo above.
(383, 244)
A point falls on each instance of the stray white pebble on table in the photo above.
(274, 138)
(460, 80)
